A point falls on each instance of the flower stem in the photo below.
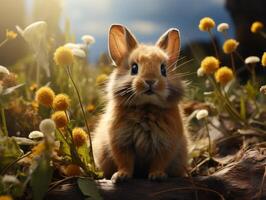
(263, 34)
(4, 121)
(83, 113)
(213, 44)
(233, 63)
(209, 137)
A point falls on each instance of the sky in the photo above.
(147, 19)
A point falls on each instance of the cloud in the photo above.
(144, 27)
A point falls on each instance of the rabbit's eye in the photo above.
(134, 69)
(163, 69)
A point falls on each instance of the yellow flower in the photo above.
(72, 170)
(61, 102)
(33, 87)
(230, 46)
(60, 119)
(256, 27)
(209, 64)
(263, 59)
(224, 75)
(100, 80)
(45, 96)
(63, 56)
(37, 150)
(90, 107)
(79, 136)
(10, 35)
(6, 197)
(206, 24)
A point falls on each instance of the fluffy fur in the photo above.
(140, 133)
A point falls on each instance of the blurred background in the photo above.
(148, 19)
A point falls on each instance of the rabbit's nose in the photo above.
(150, 83)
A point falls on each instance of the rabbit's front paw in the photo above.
(157, 176)
(120, 176)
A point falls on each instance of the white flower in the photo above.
(71, 45)
(79, 53)
(222, 27)
(200, 72)
(4, 70)
(36, 135)
(34, 33)
(47, 126)
(10, 179)
(252, 59)
(88, 39)
(202, 114)
(82, 46)
(263, 89)
(36, 36)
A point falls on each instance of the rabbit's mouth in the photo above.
(149, 92)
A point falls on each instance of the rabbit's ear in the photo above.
(121, 42)
(170, 43)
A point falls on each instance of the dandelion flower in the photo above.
(263, 89)
(256, 27)
(202, 114)
(60, 119)
(36, 135)
(222, 27)
(38, 150)
(224, 75)
(6, 197)
(200, 72)
(100, 80)
(61, 102)
(71, 45)
(209, 64)
(79, 137)
(79, 53)
(90, 108)
(88, 39)
(4, 70)
(33, 87)
(263, 59)
(47, 126)
(45, 96)
(63, 56)
(252, 60)
(11, 35)
(206, 24)
(230, 46)
(72, 170)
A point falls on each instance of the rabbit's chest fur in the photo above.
(145, 130)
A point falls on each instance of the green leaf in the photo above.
(64, 147)
(251, 91)
(41, 178)
(89, 189)
(84, 154)
(9, 151)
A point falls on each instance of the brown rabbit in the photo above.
(142, 130)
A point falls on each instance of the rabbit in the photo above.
(142, 131)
